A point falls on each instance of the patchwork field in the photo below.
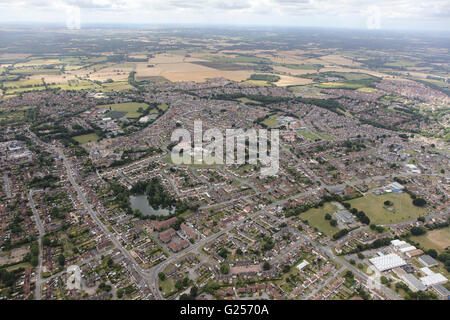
(403, 209)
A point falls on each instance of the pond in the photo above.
(140, 202)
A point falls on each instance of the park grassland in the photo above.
(305, 132)
(316, 218)
(131, 108)
(438, 239)
(85, 138)
(271, 121)
(373, 206)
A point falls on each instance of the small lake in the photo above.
(140, 202)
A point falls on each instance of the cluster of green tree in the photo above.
(265, 77)
(9, 278)
(129, 156)
(329, 104)
(445, 259)
(127, 291)
(353, 146)
(103, 287)
(224, 268)
(47, 181)
(377, 124)
(340, 234)
(297, 210)
(157, 196)
(411, 295)
(418, 231)
(267, 244)
(192, 294)
(377, 228)
(374, 245)
(181, 284)
(223, 252)
(264, 100)
(360, 215)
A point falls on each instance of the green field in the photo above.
(271, 121)
(325, 136)
(375, 209)
(163, 107)
(436, 239)
(131, 108)
(305, 132)
(316, 218)
(85, 138)
(247, 100)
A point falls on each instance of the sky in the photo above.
(359, 14)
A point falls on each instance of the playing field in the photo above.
(85, 138)
(305, 132)
(436, 239)
(316, 218)
(131, 108)
(271, 121)
(403, 209)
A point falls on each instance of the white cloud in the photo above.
(263, 11)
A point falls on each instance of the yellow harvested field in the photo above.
(291, 81)
(38, 62)
(6, 56)
(293, 71)
(343, 69)
(54, 78)
(117, 72)
(338, 59)
(185, 71)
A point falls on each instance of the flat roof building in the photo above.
(387, 262)
(413, 283)
(433, 279)
(344, 216)
(427, 261)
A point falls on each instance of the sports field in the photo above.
(131, 108)
(85, 138)
(316, 218)
(403, 209)
(436, 239)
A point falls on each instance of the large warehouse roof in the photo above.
(436, 278)
(387, 262)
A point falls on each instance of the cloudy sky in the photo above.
(367, 14)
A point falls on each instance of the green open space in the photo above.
(403, 209)
(316, 218)
(85, 138)
(131, 108)
(438, 239)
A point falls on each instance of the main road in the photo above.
(41, 230)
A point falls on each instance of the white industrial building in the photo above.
(387, 262)
(302, 265)
(433, 279)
